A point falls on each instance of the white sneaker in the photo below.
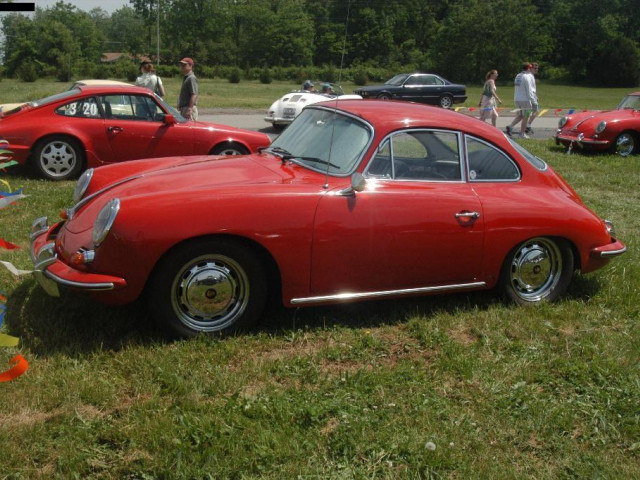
(524, 135)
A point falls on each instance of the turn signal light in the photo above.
(64, 214)
(82, 257)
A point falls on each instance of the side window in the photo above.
(488, 164)
(418, 155)
(83, 108)
(130, 107)
(414, 80)
(430, 80)
(381, 165)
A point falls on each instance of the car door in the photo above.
(135, 128)
(422, 88)
(417, 224)
(83, 115)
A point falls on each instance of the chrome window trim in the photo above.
(414, 180)
(513, 162)
(384, 293)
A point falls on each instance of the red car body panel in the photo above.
(110, 140)
(390, 236)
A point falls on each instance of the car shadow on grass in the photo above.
(74, 325)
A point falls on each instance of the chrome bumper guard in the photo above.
(47, 256)
(44, 257)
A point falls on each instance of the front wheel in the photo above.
(229, 149)
(208, 286)
(384, 96)
(58, 158)
(626, 144)
(537, 270)
(446, 101)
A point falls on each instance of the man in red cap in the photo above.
(189, 91)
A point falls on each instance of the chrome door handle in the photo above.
(468, 215)
(115, 129)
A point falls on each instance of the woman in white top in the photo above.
(149, 79)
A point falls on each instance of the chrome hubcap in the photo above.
(535, 269)
(624, 145)
(210, 293)
(58, 158)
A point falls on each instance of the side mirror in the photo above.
(358, 183)
(169, 119)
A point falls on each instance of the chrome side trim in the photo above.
(385, 293)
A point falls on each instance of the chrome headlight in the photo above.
(562, 122)
(609, 226)
(82, 185)
(601, 126)
(105, 220)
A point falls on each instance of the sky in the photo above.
(109, 6)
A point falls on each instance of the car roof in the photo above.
(98, 81)
(388, 115)
(115, 88)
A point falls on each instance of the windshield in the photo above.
(630, 101)
(530, 157)
(54, 98)
(397, 80)
(173, 111)
(324, 140)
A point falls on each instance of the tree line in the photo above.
(577, 41)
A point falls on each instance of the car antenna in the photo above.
(333, 124)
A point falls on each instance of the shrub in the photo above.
(27, 71)
(265, 76)
(234, 75)
(206, 72)
(360, 76)
(617, 64)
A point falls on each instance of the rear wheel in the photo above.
(537, 270)
(229, 149)
(210, 286)
(446, 101)
(58, 158)
(626, 144)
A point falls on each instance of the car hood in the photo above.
(591, 119)
(177, 178)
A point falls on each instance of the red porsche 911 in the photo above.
(354, 201)
(88, 126)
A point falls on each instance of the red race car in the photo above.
(616, 130)
(355, 200)
(89, 126)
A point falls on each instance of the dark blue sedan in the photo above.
(417, 87)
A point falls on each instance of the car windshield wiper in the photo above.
(312, 160)
(277, 150)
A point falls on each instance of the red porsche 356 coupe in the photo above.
(355, 200)
(89, 126)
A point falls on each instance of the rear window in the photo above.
(531, 158)
(54, 98)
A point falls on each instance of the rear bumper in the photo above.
(51, 273)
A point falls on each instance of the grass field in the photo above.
(456, 386)
(219, 93)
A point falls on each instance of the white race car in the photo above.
(282, 112)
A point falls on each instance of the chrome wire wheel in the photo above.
(210, 293)
(626, 144)
(535, 269)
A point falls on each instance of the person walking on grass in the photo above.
(523, 97)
